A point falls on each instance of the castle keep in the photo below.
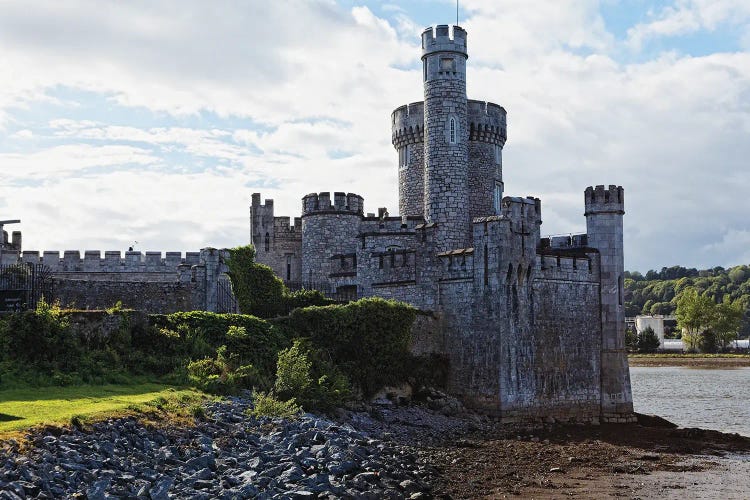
(532, 327)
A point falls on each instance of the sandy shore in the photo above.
(690, 362)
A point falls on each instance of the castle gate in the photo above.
(23, 285)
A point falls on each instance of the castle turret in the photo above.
(277, 240)
(408, 139)
(446, 136)
(487, 135)
(604, 211)
(329, 228)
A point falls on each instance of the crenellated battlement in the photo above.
(518, 209)
(342, 203)
(407, 124)
(604, 200)
(487, 122)
(564, 241)
(439, 39)
(457, 264)
(112, 262)
(283, 226)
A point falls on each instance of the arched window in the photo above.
(267, 244)
(453, 130)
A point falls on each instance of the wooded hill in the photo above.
(657, 291)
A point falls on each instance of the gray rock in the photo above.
(98, 489)
(159, 490)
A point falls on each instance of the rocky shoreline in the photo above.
(433, 450)
(227, 454)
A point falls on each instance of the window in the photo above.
(498, 155)
(447, 64)
(288, 267)
(498, 197)
(267, 244)
(424, 70)
(403, 156)
(453, 130)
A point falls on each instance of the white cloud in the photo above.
(323, 81)
(689, 16)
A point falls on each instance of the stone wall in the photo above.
(154, 297)
(147, 282)
(567, 345)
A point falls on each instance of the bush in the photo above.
(305, 298)
(258, 290)
(266, 405)
(303, 375)
(222, 375)
(368, 339)
(255, 341)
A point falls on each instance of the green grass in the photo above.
(24, 408)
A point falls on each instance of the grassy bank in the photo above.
(691, 360)
(24, 408)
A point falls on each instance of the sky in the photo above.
(151, 123)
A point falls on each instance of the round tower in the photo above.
(408, 139)
(487, 135)
(446, 136)
(604, 212)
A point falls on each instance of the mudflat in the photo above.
(593, 462)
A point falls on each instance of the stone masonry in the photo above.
(533, 327)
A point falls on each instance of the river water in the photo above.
(690, 397)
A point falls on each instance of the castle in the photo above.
(532, 327)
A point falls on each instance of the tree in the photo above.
(695, 314)
(727, 321)
(647, 340)
(631, 340)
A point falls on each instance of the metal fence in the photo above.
(22, 286)
(344, 293)
(226, 302)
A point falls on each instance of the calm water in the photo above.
(689, 397)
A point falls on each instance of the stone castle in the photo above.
(532, 327)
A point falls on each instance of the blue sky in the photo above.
(155, 121)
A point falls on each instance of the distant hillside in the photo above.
(657, 291)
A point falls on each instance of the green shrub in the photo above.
(367, 340)
(266, 405)
(223, 374)
(255, 341)
(303, 375)
(293, 371)
(305, 298)
(258, 290)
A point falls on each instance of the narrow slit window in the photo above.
(267, 244)
(288, 267)
(453, 130)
